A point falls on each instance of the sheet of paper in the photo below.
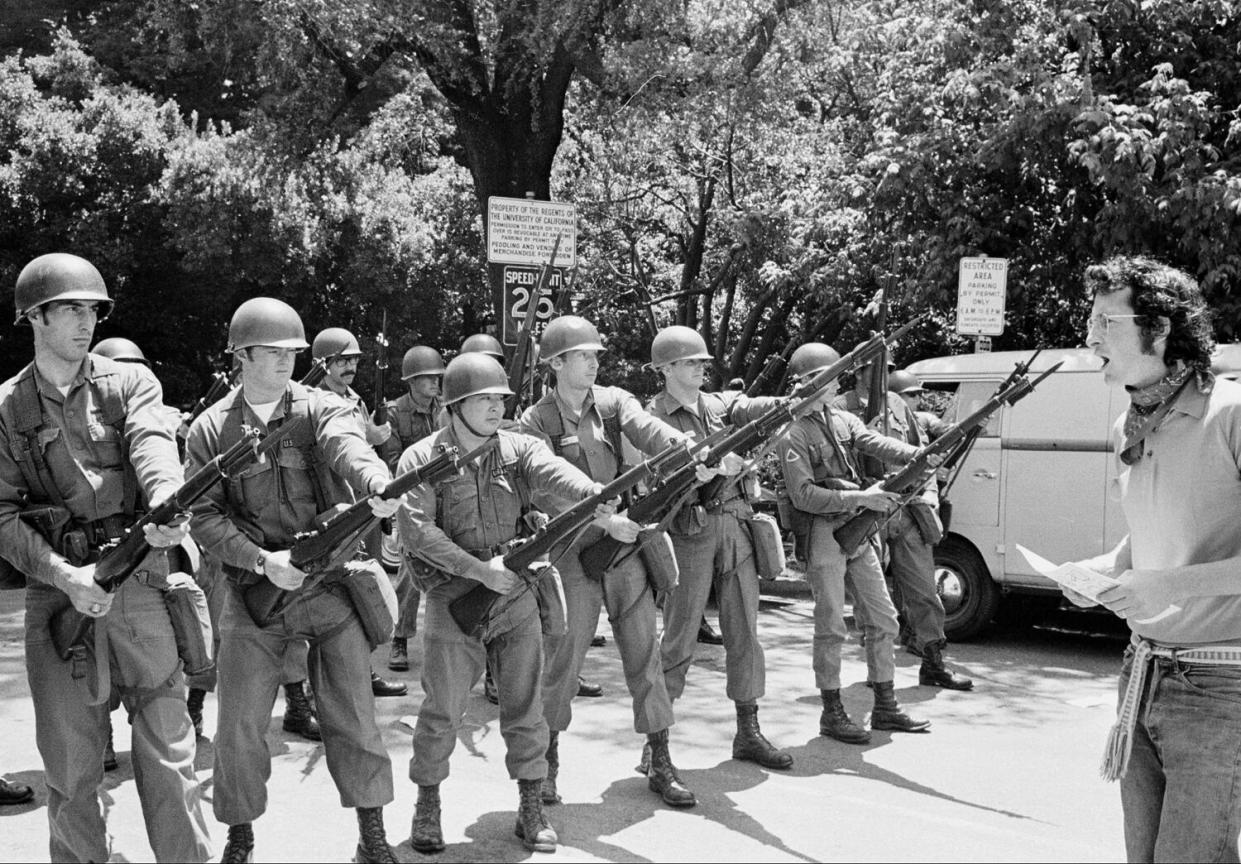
(1083, 580)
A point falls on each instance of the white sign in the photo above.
(982, 287)
(523, 231)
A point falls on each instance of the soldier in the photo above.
(460, 530)
(338, 349)
(249, 524)
(82, 436)
(824, 485)
(713, 545)
(483, 343)
(584, 424)
(414, 416)
(911, 535)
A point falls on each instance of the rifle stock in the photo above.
(220, 385)
(853, 533)
(381, 372)
(119, 559)
(320, 551)
(471, 610)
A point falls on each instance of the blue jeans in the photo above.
(1182, 793)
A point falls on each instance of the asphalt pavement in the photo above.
(1008, 772)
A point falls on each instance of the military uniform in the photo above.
(87, 458)
(264, 508)
(712, 543)
(818, 448)
(590, 440)
(452, 527)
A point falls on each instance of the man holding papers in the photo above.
(1176, 745)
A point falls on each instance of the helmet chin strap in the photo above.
(466, 424)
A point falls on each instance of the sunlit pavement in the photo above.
(1007, 773)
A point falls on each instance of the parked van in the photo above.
(1040, 475)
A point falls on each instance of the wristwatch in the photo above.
(260, 563)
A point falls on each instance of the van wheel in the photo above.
(969, 596)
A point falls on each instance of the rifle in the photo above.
(664, 500)
(220, 385)
(318, 371)
(381, 372)
(773, 366)
(471, 609)
(119, 558)
(852, 534)
(322, 550)
(521, 354)
(956, 458)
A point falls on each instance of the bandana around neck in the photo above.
(1150, 404)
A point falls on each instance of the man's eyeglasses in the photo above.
(1100, 321)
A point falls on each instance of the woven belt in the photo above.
(1120, 738)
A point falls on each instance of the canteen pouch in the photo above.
(769, 558)
(191, 625)
(660, 560)
(945, 513)
(549, 592)
(689, 520)
(929, 526)
(51, 523)
(370, 592)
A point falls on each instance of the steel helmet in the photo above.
(904, 382)
(336, 342)
(483, 343)
(59, 276)
(473, 374)
(266, 321)
(811, 358)
(421, 360)
(120, 349)
(678, 343)
(569, 333)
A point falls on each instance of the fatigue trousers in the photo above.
(721, 553)
(210, 578)
(912, 566)
(251, 663)
(408, 599)
(452, 664)
(72, 734)
(827, 571)
(631, 612)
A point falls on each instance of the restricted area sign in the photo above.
(982, 287)
(517, 287)
(523, 231)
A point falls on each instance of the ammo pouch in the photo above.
(769, 558)
(52, 524)
(549, 592)
(660, 560)
(191, 625)
(370, 592)
(690, 519)
(929, 526)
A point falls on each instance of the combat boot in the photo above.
(398, 658)
(532, 826)
(194, 705)
(240, 846)
(425, 834)
(934, 673)
(750, 745)
(15, 793)
(383, 687)
(548, 793)
(299, 717)
(834, 722)
(373, 845)
(662, 776)
(887, 714)
(644, 764)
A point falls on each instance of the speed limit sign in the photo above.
(518, 287)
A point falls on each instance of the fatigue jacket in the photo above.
(86, 457)
(584, 441)
(820, 447)
(453, 524)
(264, 507)
(358, 406)
(410, 423)
(905, 426)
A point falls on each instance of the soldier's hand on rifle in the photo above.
(84, 593)
(281, 573)
(934, 460)
(877, 498)
(619, 526)
(494, 575)
(163, 536)
(383, 432)
(731, 465)
(384, 508)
